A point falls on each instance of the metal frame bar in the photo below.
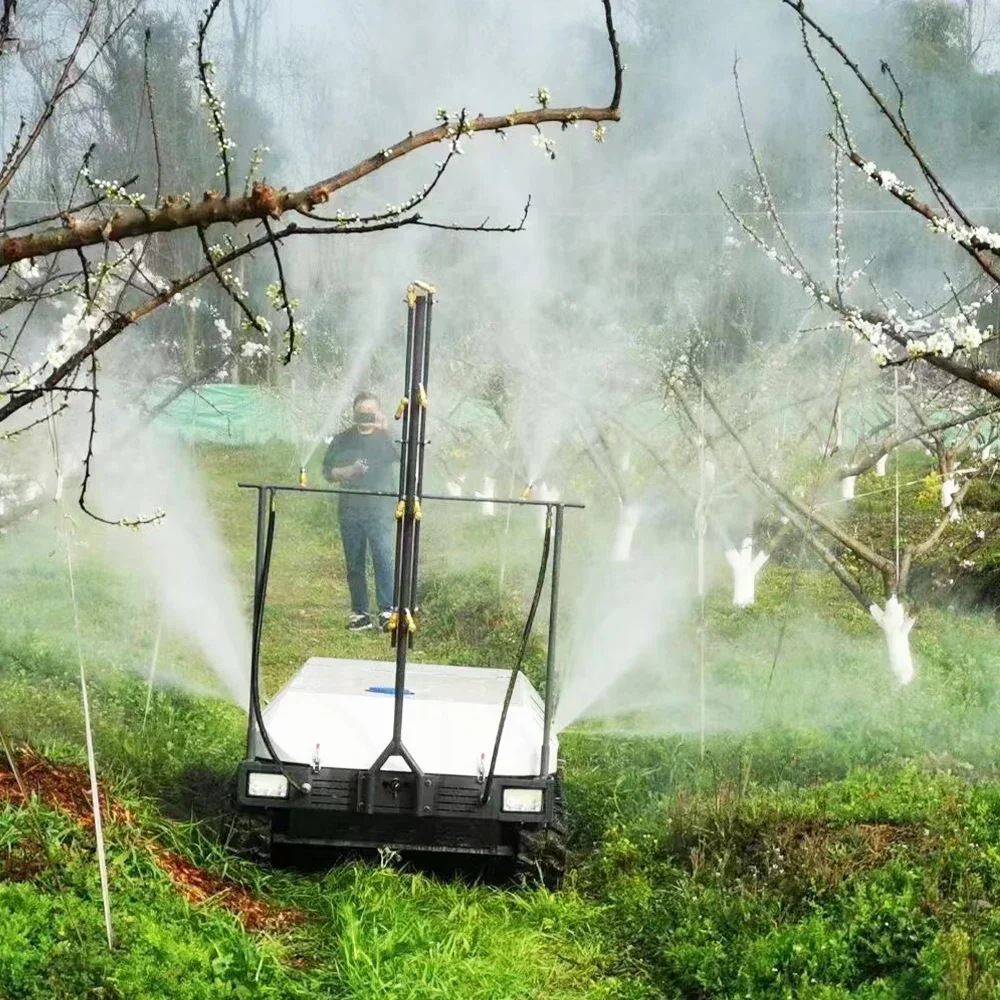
(550, 659)
(420, 445)
(262, 504)
(515, 502)
(403, 413)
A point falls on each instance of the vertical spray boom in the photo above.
(412, 412)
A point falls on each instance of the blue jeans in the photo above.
(360, 533)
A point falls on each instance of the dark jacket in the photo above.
(378, 450)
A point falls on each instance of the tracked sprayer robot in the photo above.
(359, 754)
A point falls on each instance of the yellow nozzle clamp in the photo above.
(400, 509)
(429, 289)
(418, 511)
(401, 409)
(526, 492)
(411, 625)
(303, 481)
(411, 296)
(393, 623)
(422, 396)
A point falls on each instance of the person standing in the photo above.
(361, 458)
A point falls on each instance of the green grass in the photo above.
(841, 839)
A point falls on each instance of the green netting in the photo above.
(225, 414)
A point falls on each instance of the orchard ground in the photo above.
(843, 842)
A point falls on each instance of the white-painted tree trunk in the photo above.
(745, 566)
(628, 521)
(896, 625)
(489, 490)
(948, 490)
(847, 485)
(880, 465)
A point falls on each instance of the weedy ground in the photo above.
(844, 842)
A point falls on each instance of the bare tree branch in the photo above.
(883, 322)
(899, 128)
(833, 529)
(211, 100)
(265, 201)
(148, 88)
(63, 85)
(6, 20)
(283, 292)
(895, 440)
(971, 243)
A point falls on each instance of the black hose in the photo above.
(525, 636)
(258, 622)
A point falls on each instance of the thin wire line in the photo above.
(870, 493)
(895, 373)
(700, 527)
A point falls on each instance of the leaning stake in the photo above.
(91, 761)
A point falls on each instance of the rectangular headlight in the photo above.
(522, 800)
(267, 786)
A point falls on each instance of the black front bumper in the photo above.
(397, 809)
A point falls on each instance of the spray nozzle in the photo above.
(527, 491)
(303, 479)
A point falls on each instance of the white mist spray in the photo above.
(182, 554)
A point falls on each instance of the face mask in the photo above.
(365, 418)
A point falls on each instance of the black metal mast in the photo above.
(412, 411)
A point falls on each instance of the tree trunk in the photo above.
(896, 627)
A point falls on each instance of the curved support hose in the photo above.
(258, 621)
(525, 636)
